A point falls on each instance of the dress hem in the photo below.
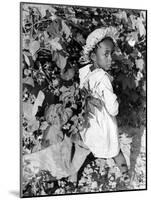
(111, 156)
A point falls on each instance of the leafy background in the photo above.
(53, 107)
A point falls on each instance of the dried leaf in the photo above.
(33, 47)
(140, 64)
(38, 102)
(52, 135)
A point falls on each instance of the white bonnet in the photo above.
(96, 36)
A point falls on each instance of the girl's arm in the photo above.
(108, 96)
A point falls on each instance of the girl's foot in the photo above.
(73, 178)
(126, 178)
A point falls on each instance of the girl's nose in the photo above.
(109, 57)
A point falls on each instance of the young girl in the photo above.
(101, 137)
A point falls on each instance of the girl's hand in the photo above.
(96, 102)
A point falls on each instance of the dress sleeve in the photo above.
(109, 98)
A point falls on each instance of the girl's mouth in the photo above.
(108, 66)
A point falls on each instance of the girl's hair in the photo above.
(97, 45)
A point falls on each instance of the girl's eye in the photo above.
(106, 54)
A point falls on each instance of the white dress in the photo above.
(102, 135)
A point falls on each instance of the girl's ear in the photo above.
(93, 56)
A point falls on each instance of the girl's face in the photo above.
(102, 57)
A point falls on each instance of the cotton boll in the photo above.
(131, 42)
(94, 185)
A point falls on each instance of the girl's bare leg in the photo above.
(121, 162)
(122, 165)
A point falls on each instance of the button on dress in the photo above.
(102, 135)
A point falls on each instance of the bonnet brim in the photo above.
(96, 36)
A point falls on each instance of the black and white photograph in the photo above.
(83, 99)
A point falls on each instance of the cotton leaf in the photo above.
(132, 38)
(26, 41)
(28, 81)
(125, 144)
(38, 102)
(44, 125)
(60, 60)
(66, 29)
(54, 29)
(121, 15)
(143, 15)
(94, 22)
(26, 134)
(43, 9)
(144, 87)
(126, 81)
(43, 192)
(138, 24)
(77, 20)
(63, 89)
(129, 82)
(33, 125)
(140, 27)
(26, 59)
(33, 47)
(75, 138)
(55, 45)
(27, 109)
(51, 114)
(80, 38)
(74, 106)
(46, 36)
(68, 75)
(32, 122)
(66, 114)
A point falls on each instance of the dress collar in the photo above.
(93, 68)
(87, 70)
